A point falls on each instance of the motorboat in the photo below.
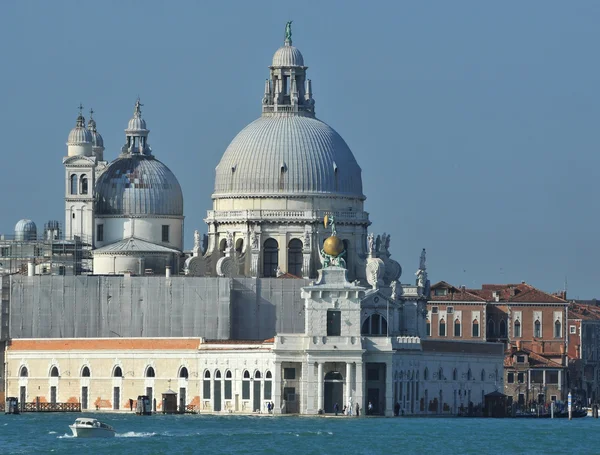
(91, 428)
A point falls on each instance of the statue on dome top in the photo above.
(288, 31)
(422, 260)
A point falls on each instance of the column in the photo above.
(320, 386)
(389, 384)
(276, 388)
(360, 388)
(349, 384)
(559, 381)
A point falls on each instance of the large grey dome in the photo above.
(288, 155)
(138, 185)
(287, 55)
(25, 230)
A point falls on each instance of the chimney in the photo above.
(30, 269)
(496, 296)
(519, 345)
(168, 271)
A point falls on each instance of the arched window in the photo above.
(454, 375)
(228, 388)
(557, 329)
(374, 325)
(537, 329)
(150, 372)
(118, 373)
(457, 327)
(23, 372)
(257, 376)
(218, 374)
(270, 258)
(206, 386)
(442, 329)
(54, 372)
(517, 331)
(502, 328)
(223, 245)
(425, 374)
(491, 329)
(295, 257)
(428, 327)
(246, 385)
(482, 375)
(239, 246)
(83, 184)
(183, 372)
(475, 328)
(85, 372)
(73, 184)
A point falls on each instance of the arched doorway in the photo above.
(334, 391)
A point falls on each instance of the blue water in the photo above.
(190, 434)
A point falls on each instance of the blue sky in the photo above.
(475, 123)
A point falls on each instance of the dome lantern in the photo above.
(137, 133)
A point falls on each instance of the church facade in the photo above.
(288, 299)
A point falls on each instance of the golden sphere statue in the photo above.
(333, 246)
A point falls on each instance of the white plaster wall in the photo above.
(80, 150)
(289, 203)
(110, 265)
(149, 229)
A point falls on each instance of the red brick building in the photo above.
(584, 350)
(531, 323)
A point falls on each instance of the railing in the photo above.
(49, 407)
(301, 215)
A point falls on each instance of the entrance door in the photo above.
(376, 387)
(22, 396)
(150, 397)
(373, 398)
(182, 399)
(116, 397)
(84, 398)
(217, 397)
(53, 395)
(256, 401)
(334, 391)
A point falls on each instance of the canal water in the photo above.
(190, 434)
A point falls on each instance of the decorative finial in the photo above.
(137, 113)
(91, 113)
(288, 32)
(329, 220)
(80, 109)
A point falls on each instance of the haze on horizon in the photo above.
(474, 123)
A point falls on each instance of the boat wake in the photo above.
(134, 434)
(65, 436)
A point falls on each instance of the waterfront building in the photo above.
(529, 322)
(584, 350)
(288, 299)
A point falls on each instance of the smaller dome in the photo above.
(288, 55)
(25, 230)
(333, 246)
(97, 140)
(80, 134)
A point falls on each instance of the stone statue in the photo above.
(196, 240)
(421, 278)
(370, 243)
(393, 285)
(278, 271)
(288, 31)
(229, 241)
(422, 261)
(387, 242)
(306, 240)
(254, 239)
(330, 221)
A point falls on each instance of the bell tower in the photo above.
(80, 181)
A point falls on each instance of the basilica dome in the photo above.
(288, 55)
(288, 154)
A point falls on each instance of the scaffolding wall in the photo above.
(153, 306)
(104, 306)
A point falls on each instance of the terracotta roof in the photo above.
(522, 292)
(454, 294)
(83, 344)
(535, 360)
(584, 312)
